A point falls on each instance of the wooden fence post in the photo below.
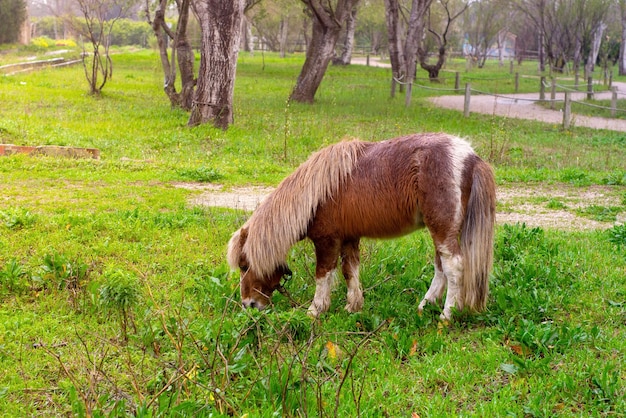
(511, 67)
(457, 81)
(613, 101)
(567, 111)
(589, 88)
(516, 82)
(466, 104)
(542, 88)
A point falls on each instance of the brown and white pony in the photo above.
(357, 189)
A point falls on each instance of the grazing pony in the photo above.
(356, 189)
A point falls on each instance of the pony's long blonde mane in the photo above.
(283, 217)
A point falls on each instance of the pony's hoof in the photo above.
(445, 318)
(313, 312)
(354, 307)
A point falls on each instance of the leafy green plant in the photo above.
(600, 213)
(201, 174)
(617, 235)
(120, 293)
(59, 272)
(17, 218)
(12, 276)
(556, 204)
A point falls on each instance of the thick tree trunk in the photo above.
(395, 49)
(220, 23)
(318, 55)
(327, 23)
(414, 36)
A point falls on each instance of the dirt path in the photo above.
(547, 206)
(522, 106)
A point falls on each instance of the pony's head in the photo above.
(256, 287)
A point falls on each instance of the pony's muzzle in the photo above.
(251, 303)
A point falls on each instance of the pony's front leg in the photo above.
(437, 286)
(327, 253)
(350, 261)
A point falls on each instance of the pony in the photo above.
(356, 189)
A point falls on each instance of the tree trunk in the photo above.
(186, 57)
(220, 24)
(596, 40)
(395, 49)
(414, 36)
(433, 69)
(542, 55)
(622, 48)
(348, 44)
(247, 41)
(326, 28)
(282, 36)
(182, 54)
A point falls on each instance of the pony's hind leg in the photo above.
(437, 286)
(350, 261)
(327, 253)
(452, 266)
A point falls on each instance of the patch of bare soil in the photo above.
(547, 206)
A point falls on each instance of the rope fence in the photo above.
(550, 84)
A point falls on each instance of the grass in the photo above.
(116, 299)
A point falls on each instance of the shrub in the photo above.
(120, 293)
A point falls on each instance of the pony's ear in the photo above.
(243, 236)
(235, 246)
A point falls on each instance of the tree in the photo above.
(404, 57)
(566, 28)
(483, 24)
(181, 52)
(327, 17)
(99, 18)
(220, 23)
(396, 55)
(277, 24)
(441, 37)
(12, 16)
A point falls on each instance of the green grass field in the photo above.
(116, 300)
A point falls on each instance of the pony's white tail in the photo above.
(477, 237)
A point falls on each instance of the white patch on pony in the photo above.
(323, 288)
(459, 151)
(355, 292)
(436, 289)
